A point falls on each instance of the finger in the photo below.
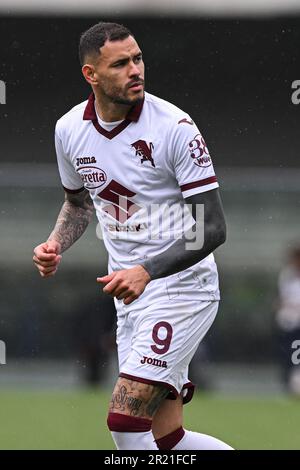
(111, 286)
(47, 270)
(46, 264)
(130, 299)
(123, 292)
(41, 255)
(49, 274)
(51, 249)
(106, 279)
(51, 260)
(44, 269)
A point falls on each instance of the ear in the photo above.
(89, 74)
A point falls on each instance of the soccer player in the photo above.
(142, 163)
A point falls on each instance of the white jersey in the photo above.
(138, 174)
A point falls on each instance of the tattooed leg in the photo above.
(133, 404)
(136, 399)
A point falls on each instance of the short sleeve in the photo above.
(192, 163)
(70, 179)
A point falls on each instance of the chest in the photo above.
(135, 162)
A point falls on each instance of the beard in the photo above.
(118, 96)
(127, 101)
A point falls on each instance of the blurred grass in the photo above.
(77, 420)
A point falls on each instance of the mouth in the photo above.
(137, 86)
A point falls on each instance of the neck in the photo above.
(110, 112)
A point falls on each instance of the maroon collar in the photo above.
(90, 115)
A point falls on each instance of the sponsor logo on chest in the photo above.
(92, 176)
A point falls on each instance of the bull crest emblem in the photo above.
(144, 151)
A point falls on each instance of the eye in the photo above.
(119, 64)
(138, 58)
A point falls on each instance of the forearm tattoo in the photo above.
(73, 219)
(177, 257)
(136, 399)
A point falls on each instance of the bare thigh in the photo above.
(168, 417)
(136, 398)
(148, 401)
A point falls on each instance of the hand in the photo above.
(127, 284)
(47, 258)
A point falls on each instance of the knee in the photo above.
(130, 432)
(118, 422)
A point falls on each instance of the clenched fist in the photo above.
(47, 258)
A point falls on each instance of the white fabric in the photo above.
(107, 125)
(197, 441)
(134, 440)
(180, 159)
(189, 321)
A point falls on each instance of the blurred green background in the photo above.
(77, 420)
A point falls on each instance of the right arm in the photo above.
(73, 219)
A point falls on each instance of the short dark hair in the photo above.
(96, 36)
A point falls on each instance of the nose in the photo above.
(134, 70)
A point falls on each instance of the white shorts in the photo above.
(157, 342)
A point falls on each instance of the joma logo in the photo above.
(85, 160)
(154, 362)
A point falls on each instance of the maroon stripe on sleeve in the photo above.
(170, 440)
(124, 423)
(196, 184)
(73, 191)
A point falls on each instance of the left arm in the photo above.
(178, 257)
(129, 284)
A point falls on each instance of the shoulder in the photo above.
(179, 128)
(72, 117)
(164, 109)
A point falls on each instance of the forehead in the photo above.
(114, 50)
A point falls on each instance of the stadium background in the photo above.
(233, 72)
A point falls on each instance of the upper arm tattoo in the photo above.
(81, 199)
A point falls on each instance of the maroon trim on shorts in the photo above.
(90, 115)
(170, 440)
(172, 395)
(150, 382)
(124, 423)
(186, 398)
(196, 184)
(190, 392)
(73, 191)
